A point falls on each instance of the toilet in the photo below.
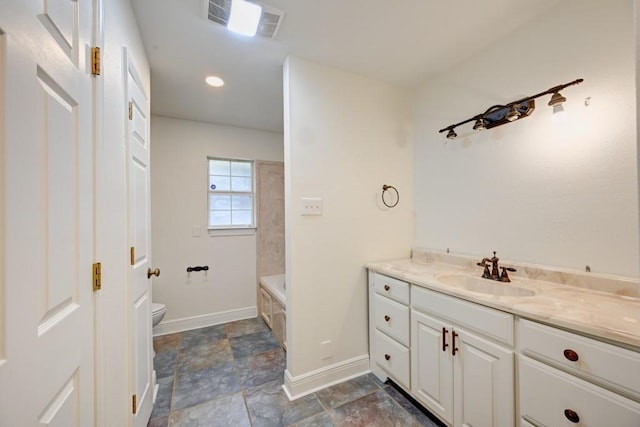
(158, 311)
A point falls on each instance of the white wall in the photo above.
(539, 191)
(120, 30)
(345, 136)
(179, 177)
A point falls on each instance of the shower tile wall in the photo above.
(270, 218)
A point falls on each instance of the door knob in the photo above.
(151, 272)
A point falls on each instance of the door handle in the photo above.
(454, 349)
(151, 272)
(444, 339)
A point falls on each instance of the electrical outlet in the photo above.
(310, 206)
(326, 349)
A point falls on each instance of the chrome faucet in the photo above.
(495, 269)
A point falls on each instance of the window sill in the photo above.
(220, 232)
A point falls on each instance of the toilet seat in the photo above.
(157, 313)
(157, 308)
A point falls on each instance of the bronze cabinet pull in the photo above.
(151, 272)
(386, 287)
(387, 356)
(444, 339)
(571, 416)
(454, 349)
(571, 355)
(387, 318)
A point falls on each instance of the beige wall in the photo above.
(537, 190)
(179, 153)
(345, 136)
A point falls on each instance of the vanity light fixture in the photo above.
(556, 102)
(479, 124)
(244, 17)
(501, 114)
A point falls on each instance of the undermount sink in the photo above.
(485, 286)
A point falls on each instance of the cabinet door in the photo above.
(431, 366)
(483, 382)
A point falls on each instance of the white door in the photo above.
(46, 252)
(431, 364)
(138, 183)
(484, 382)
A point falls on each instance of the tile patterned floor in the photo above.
(231, 375)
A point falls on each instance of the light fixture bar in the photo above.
(556, 103)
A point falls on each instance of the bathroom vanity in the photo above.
(549, 348)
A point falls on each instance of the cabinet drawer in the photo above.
(392, 357)
(615, 367)
(392, 318)
(547, 394)
(393, 288)
(492, 323)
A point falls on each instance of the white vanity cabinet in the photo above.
(458, 370)
(568, 379)
(411, 339)
(389, 328)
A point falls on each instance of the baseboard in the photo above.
(195, 322)
(301, 385)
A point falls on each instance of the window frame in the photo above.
(231, 229)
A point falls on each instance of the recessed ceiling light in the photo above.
(214, 81)
(244, 17)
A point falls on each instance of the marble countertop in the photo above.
(601, 306)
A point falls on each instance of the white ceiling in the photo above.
(400, 42)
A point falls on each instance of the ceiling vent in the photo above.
(268, 26)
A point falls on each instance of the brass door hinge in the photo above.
(130, 110)
(95, 61)
(133, 255)
(134, 401)
(97, 276)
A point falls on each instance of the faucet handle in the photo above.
(504, 277)
(486, 274)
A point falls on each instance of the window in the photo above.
(230, 193)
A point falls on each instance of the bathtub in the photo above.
(274, 284)
(272, 306)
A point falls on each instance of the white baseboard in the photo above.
(301, 385)
(195, 322)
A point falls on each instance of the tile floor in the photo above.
(231, 375)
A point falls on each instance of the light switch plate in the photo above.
(196, 231)
(310, 206)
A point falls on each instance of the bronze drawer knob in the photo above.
(571, 416)
(388, 356)
(386, 287)
(571, 355)
(387, 318)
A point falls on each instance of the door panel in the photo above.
(63, 408)
(139, 224)
(60, 19)
(60, 119)
(47, 214)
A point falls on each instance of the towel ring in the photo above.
(386, 187)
